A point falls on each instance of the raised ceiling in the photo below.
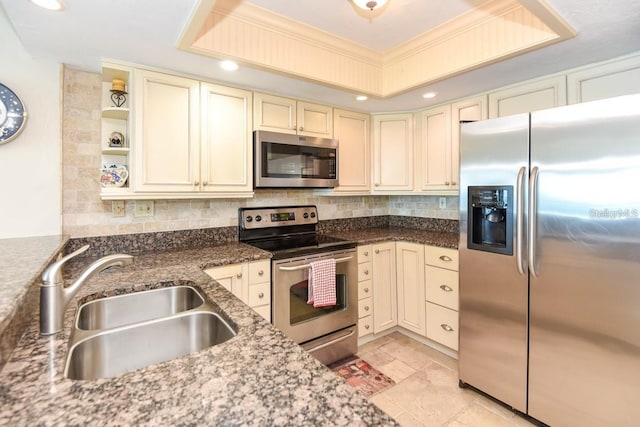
(147, 32)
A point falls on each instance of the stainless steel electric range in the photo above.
(290, 234)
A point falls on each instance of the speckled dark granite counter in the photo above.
(426, 237)
(259, 377)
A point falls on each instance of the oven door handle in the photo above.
(306, 266)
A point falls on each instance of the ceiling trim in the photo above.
(496, 30)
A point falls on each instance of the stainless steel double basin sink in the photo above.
(123, 333)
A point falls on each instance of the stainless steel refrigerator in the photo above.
(550, 262)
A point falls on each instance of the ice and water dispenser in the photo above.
(491, 219)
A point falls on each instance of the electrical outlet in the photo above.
(443, 203)
(143, 208)
(117, 208)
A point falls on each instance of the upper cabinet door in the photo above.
(393, 152)
(435, 149)
(352, 131)
(226, 138)
(466, 110)
(274, 113)
(541, 94)
(315, 120)
(166, 132)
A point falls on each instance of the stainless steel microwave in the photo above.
(292, 161)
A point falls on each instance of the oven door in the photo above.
(301, 321)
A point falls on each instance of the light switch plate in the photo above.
(117, 208)
(143, 208)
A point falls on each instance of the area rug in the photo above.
(362, 376)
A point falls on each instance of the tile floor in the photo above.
(426, 391)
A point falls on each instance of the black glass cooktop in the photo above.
(294, 245)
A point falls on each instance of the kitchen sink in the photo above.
(111, 312)
(107, 348)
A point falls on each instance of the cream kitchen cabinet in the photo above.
(439, 147)
(365, 291)
(249, 282)
(385, 296)
(604, 80)
(534, 95)
(441, 295)
(192, 139)
(353, 131)
(393, 153)
(278, 114)
(410, 285)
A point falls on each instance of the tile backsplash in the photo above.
(85, 214)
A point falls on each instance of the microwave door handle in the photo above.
(306, 266)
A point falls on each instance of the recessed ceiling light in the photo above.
(361, 98)
(429, 95)
(229, 65)
(49, 4)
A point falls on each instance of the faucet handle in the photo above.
(52, 276)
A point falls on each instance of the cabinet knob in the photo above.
(453, 183)
(196, 183)
(261, 295)
(366, 272)
(447, 183)
(366, 253)
(446, 327)
(205, 183)
(239, 275)
(377, 251)
(300, 128)
(260, 273)
(445, 258)
(366, 326)
(366, 308)
(446, 288)
(376, 184)
(366, 290)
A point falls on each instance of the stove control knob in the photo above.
(249, 218)
(258, 218)
(305, 215)
(313, 214)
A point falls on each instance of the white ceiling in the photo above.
(146, 32)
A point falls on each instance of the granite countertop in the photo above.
(260, 377)
(426, 237)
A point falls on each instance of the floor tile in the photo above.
(397, 370)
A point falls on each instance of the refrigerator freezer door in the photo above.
(584, 360)
(493, 292)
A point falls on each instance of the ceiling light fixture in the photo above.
(429, 95)
(369, 4)
(361, 98)
(229, 65)
(49, 4)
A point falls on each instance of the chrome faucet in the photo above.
(54, 297)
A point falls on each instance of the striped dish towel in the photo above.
(322, 283)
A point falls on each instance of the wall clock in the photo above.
(12, 115)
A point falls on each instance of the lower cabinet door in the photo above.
(365, 326)
(442, 325)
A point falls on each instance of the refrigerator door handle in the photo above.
(533, 218)
(520, 231)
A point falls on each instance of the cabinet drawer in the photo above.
(264, 311)
(364, 271)
(364, 289)
(442, 325)
(259, 294)
(442, 286)
(259, 271)
(441, 257)
(364, 253)
(365, 307)
(365, 326)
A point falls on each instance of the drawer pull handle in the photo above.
(366, 326)
(446, 288)
(261, 295)
(366, 253)
(239, 275)
(366, 272)
(445, 258)
(446, 327)
(260, 273)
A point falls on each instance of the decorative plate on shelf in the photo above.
(114, 176)
(12, 115)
